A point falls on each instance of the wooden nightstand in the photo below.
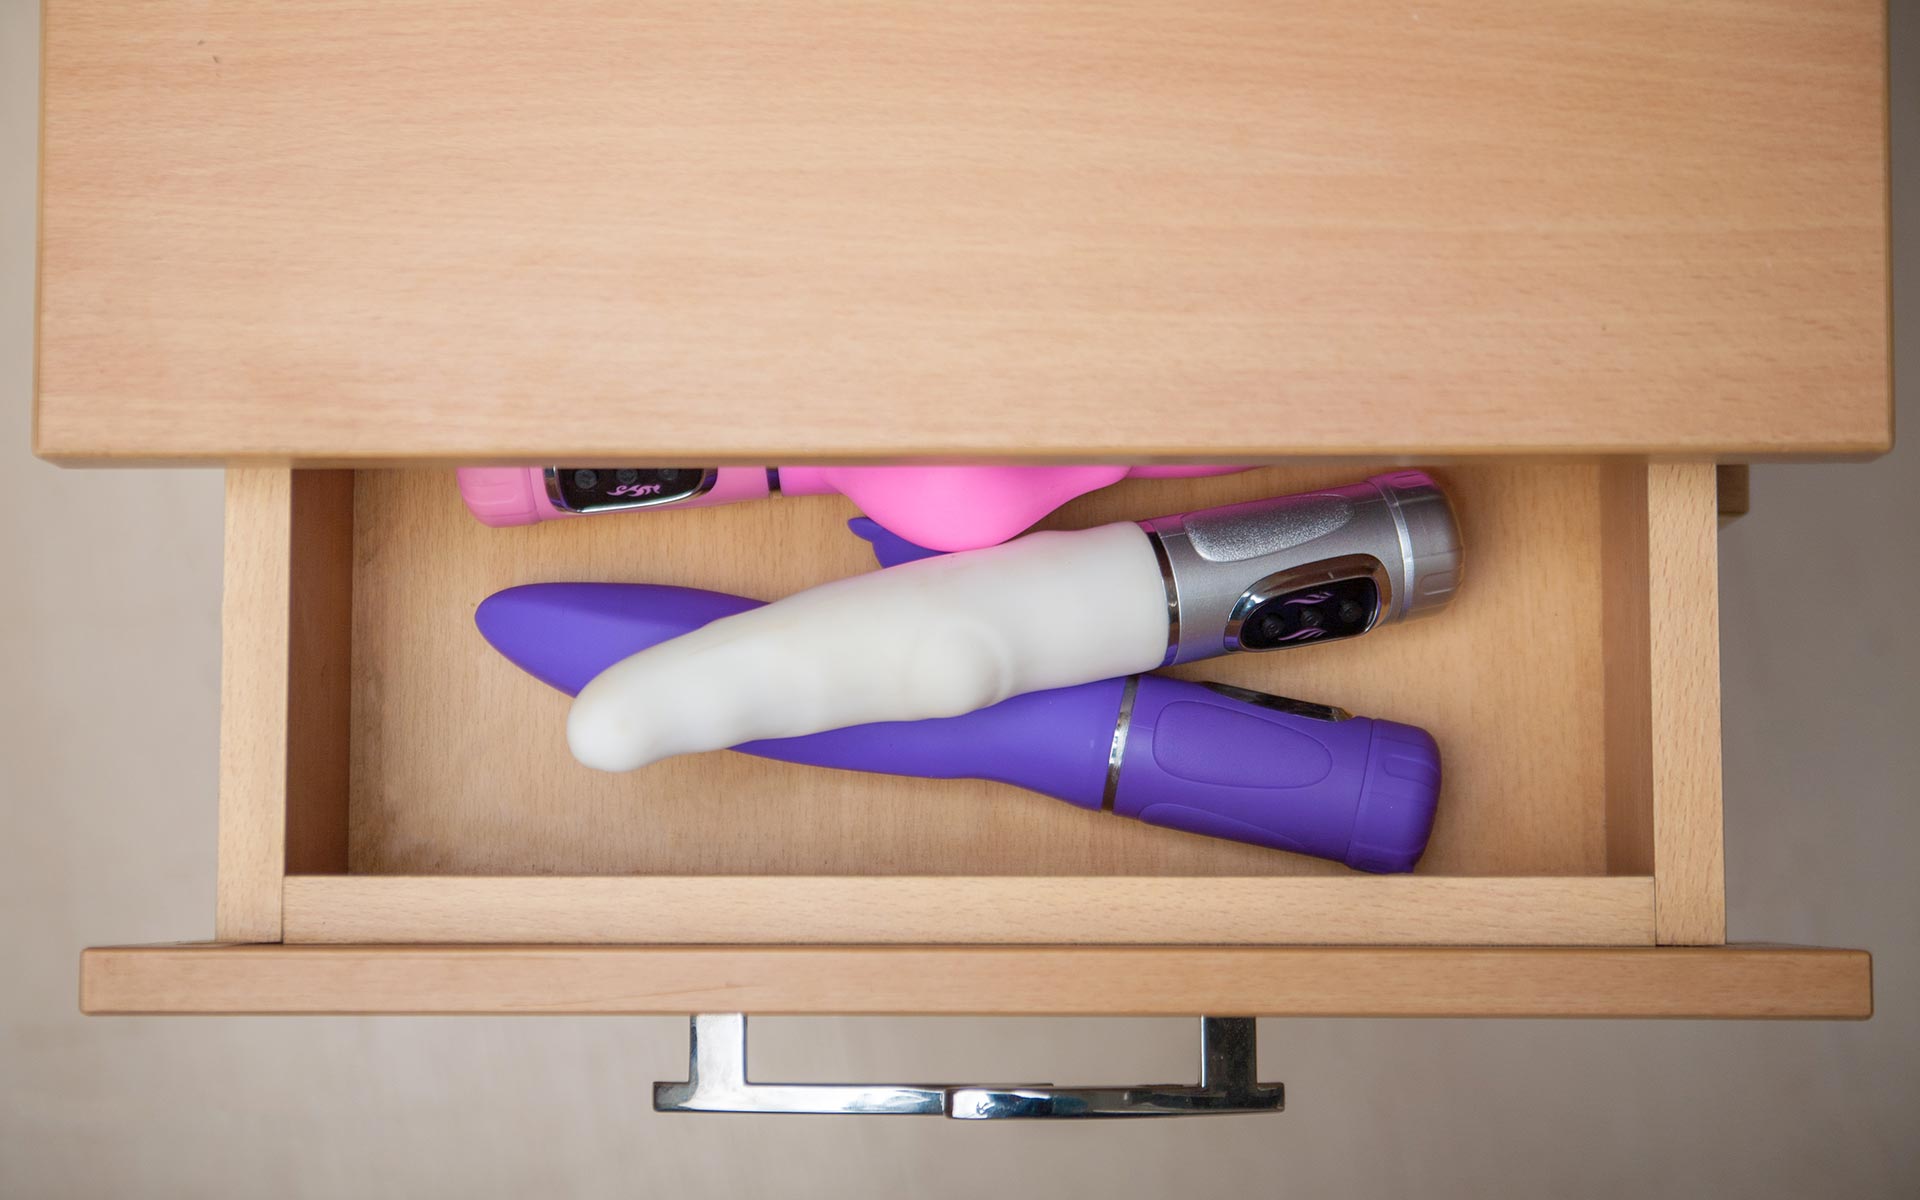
(1571, 256)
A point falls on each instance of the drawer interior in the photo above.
(427, 789)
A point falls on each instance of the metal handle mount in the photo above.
(717, 1082)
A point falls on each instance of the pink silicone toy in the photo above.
(942, 508)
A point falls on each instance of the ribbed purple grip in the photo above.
(1359, 791)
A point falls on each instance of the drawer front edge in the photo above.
(1721, 982)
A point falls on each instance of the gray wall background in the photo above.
(109, 656)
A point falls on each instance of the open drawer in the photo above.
(402, 829)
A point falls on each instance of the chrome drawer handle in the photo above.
(717, 1082)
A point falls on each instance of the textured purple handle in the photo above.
(1359, 791)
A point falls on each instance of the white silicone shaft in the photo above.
(933, 638)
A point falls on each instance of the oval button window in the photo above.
(1189, 737)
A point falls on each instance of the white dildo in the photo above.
(945, 636)
(933, 638)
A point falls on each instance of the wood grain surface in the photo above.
(459, 763)
(326, 230)
(1625, 604)
(1683, 557)
(652, 909)
(319, 678)
(255, 603)
(1730, 981)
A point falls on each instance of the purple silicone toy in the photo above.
(1191, 756)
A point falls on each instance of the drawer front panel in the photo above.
(1057, 981)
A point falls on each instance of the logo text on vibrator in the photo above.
(637, 489)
